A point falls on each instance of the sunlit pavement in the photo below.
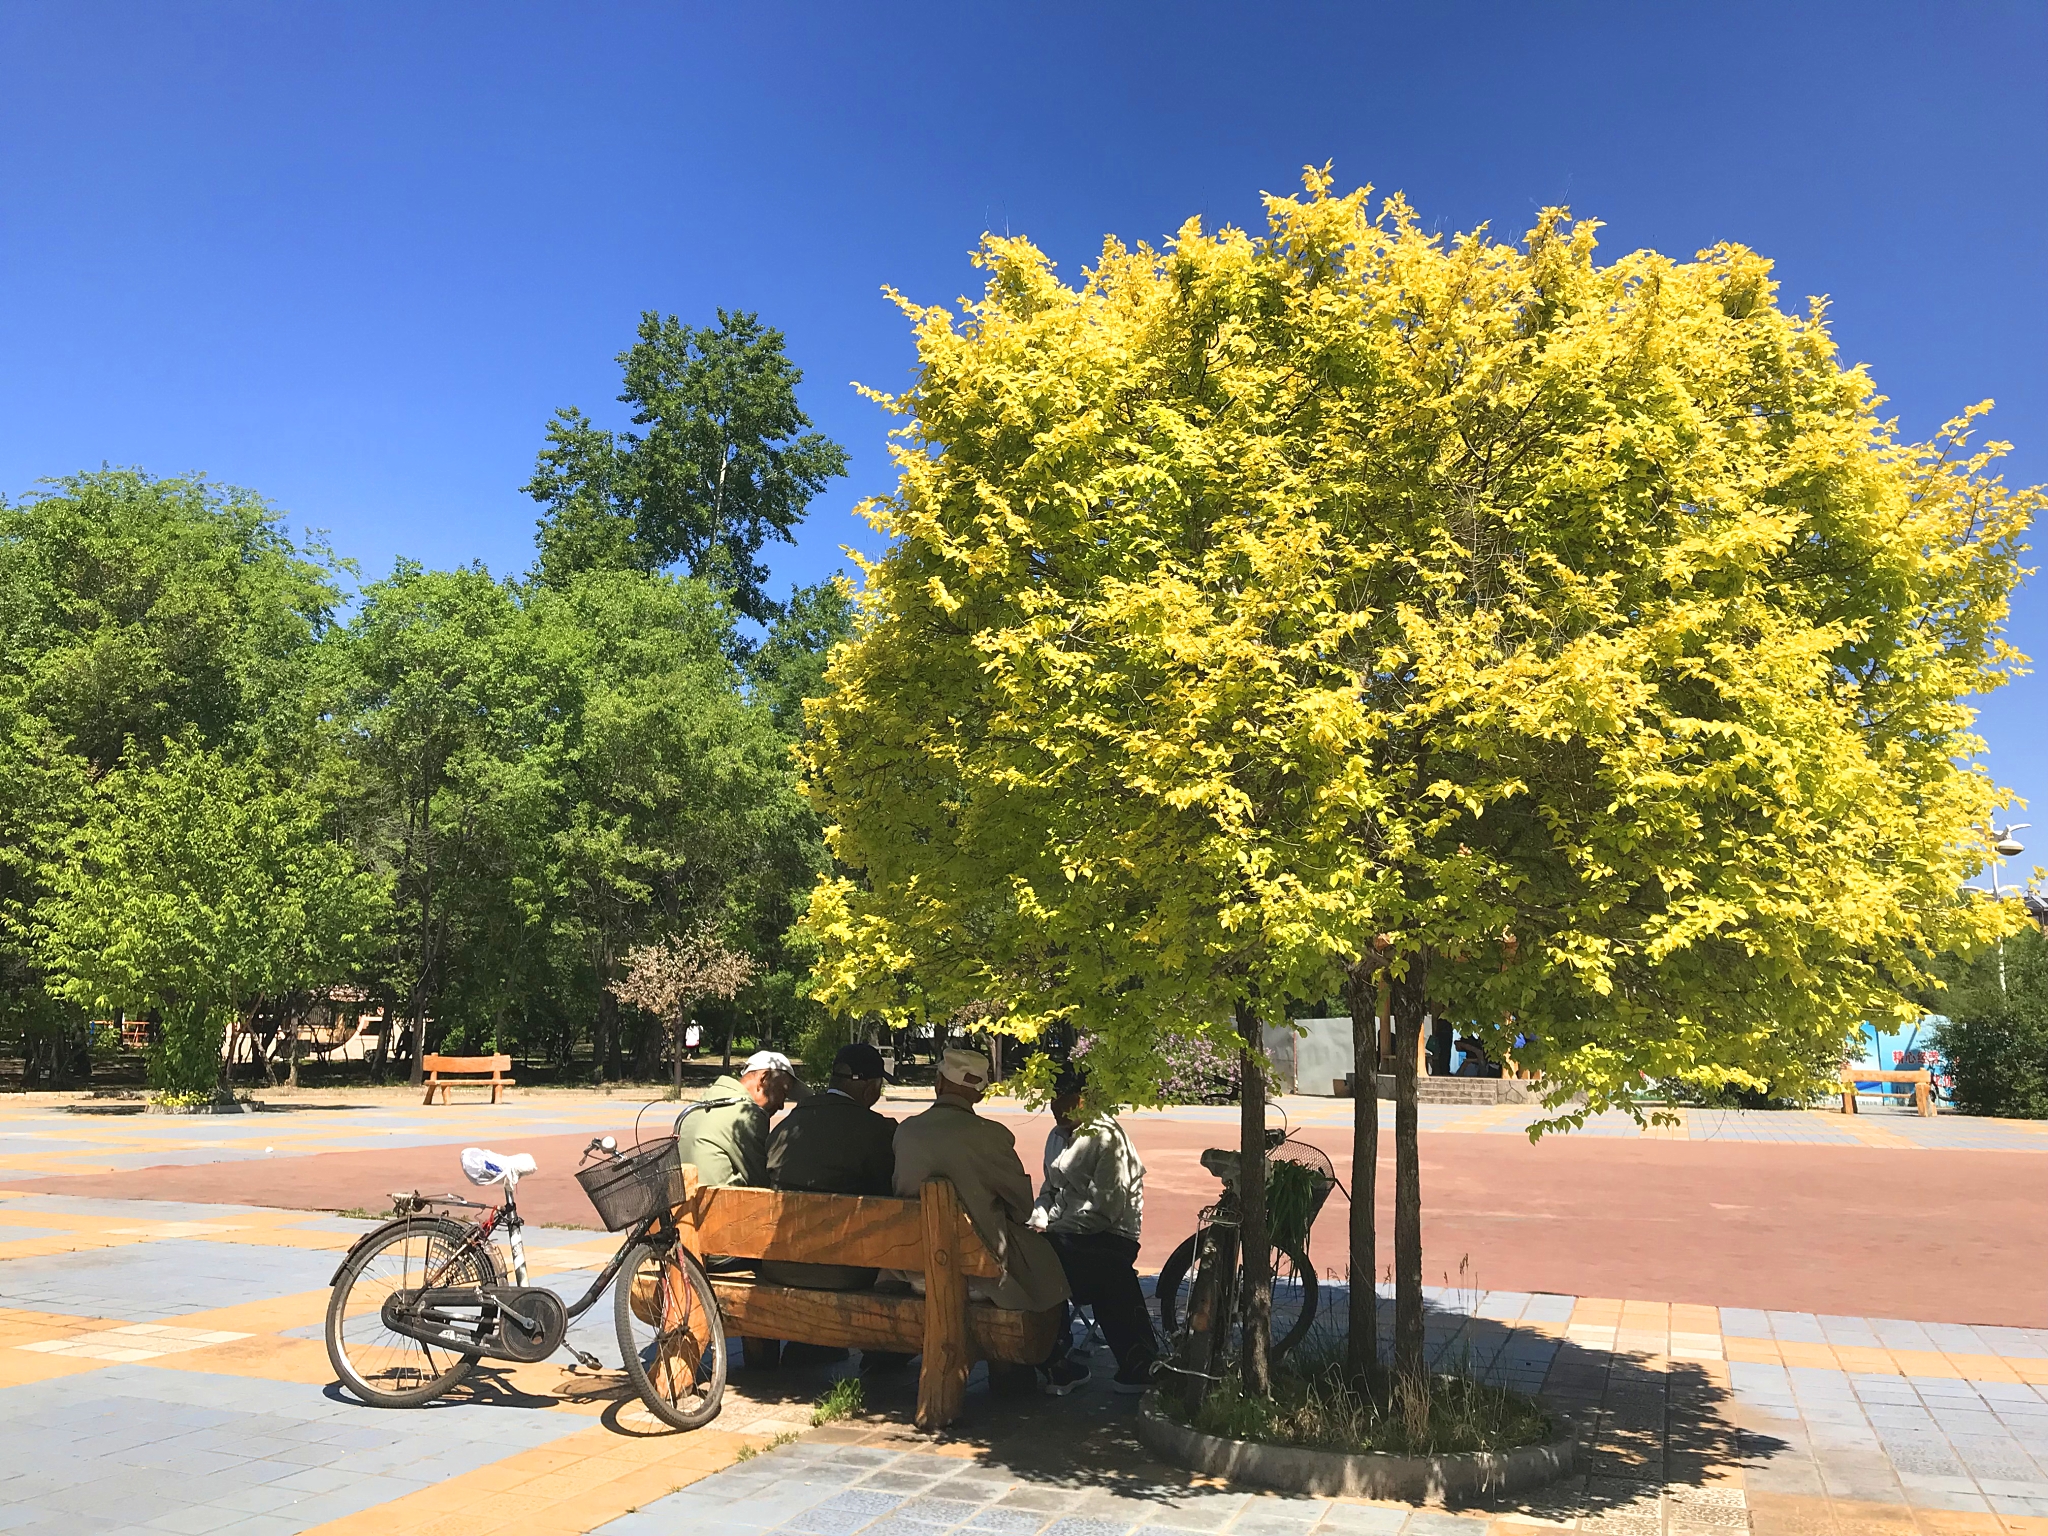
(161, 1369)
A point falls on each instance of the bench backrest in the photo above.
(1874, 1075)
(465, 1063)
(862, 1231)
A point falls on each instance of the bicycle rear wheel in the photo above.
(387, 1369)
(1295, 1294)
(670, 1334)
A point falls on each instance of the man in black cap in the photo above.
(835, 1144)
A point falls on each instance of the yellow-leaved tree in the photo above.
(1572, 651)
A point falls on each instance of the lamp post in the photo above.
(2006, 846)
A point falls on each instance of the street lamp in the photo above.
(2006, 846)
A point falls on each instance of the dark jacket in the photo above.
(830, 1145)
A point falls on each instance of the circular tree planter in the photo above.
(1460, 1478)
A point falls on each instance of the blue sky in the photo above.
(353, 255)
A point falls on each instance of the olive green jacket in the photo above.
(727, 1138)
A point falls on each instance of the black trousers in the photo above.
(1102, 1273)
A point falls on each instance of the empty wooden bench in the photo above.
(1922, 1081)
(445, 1072)
(930, 1236)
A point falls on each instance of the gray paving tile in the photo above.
(1082, 1525)
(1361, 1520)
(1004, 1521)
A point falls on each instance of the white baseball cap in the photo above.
(967, 1068)
(766, 1061)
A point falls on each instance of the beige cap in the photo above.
(967, 1068)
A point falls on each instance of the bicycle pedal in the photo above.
(588, 1362)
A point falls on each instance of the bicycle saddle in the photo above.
(482, 1166)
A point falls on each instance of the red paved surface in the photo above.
(1935, 1236)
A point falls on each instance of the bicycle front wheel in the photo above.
(1294, 1300)
(670, 1334)
(388, 1369)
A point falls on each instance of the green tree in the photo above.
(1995, 1041)
(132, 609)
(724, 465)
(445, 778)
(196, 887)
(135, 609)
(677, 806)
(789, 666)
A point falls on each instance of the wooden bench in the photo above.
(930, 1236)
(445, 1072)
(1922, 1081)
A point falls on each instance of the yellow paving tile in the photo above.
(1861, 1358)
(575, 1484)
(1794, 1352)
(260, 1355)
(19, 1367)
(1925, 1362)
(1983, 1367)
(1752, 1351)
(273, 1315)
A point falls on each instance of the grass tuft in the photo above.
(842, 1402)
(1314, 1406)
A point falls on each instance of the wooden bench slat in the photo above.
(858, 1230)
(875, 1320)
(930, 1235)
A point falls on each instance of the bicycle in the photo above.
(1180, 1289)
(420, 1300)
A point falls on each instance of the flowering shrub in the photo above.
(1191, 1068)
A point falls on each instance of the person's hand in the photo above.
(1037, 1220)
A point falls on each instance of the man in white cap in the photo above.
(950, 1140)
(726, 1133)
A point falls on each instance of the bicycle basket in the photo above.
(1299, 1179)
(632, 1187)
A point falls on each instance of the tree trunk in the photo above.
(1256, 1249)
(604, 1052)
(732, 1022)
(1409, 998)
(682, 1029)
(1362, 1343)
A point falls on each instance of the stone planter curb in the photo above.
(240, 1107)
(1461, 1478)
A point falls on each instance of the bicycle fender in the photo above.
(377, 1231)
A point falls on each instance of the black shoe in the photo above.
(1137, 1375)
(1061, 1377)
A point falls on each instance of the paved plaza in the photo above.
(161, 1368)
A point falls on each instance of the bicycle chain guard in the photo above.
(524, 1324)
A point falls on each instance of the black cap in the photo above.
(859, 1061)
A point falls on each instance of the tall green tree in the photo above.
(133, 609)
(677, 806)
(723, 465)
(1995, 1040)
(444, 773)
(196, 887)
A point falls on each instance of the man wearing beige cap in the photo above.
(950, 1140)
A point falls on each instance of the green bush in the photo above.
(184, 1064)
(1996, 1039)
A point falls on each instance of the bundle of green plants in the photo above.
(1292, 1193)
(1316, 1407)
